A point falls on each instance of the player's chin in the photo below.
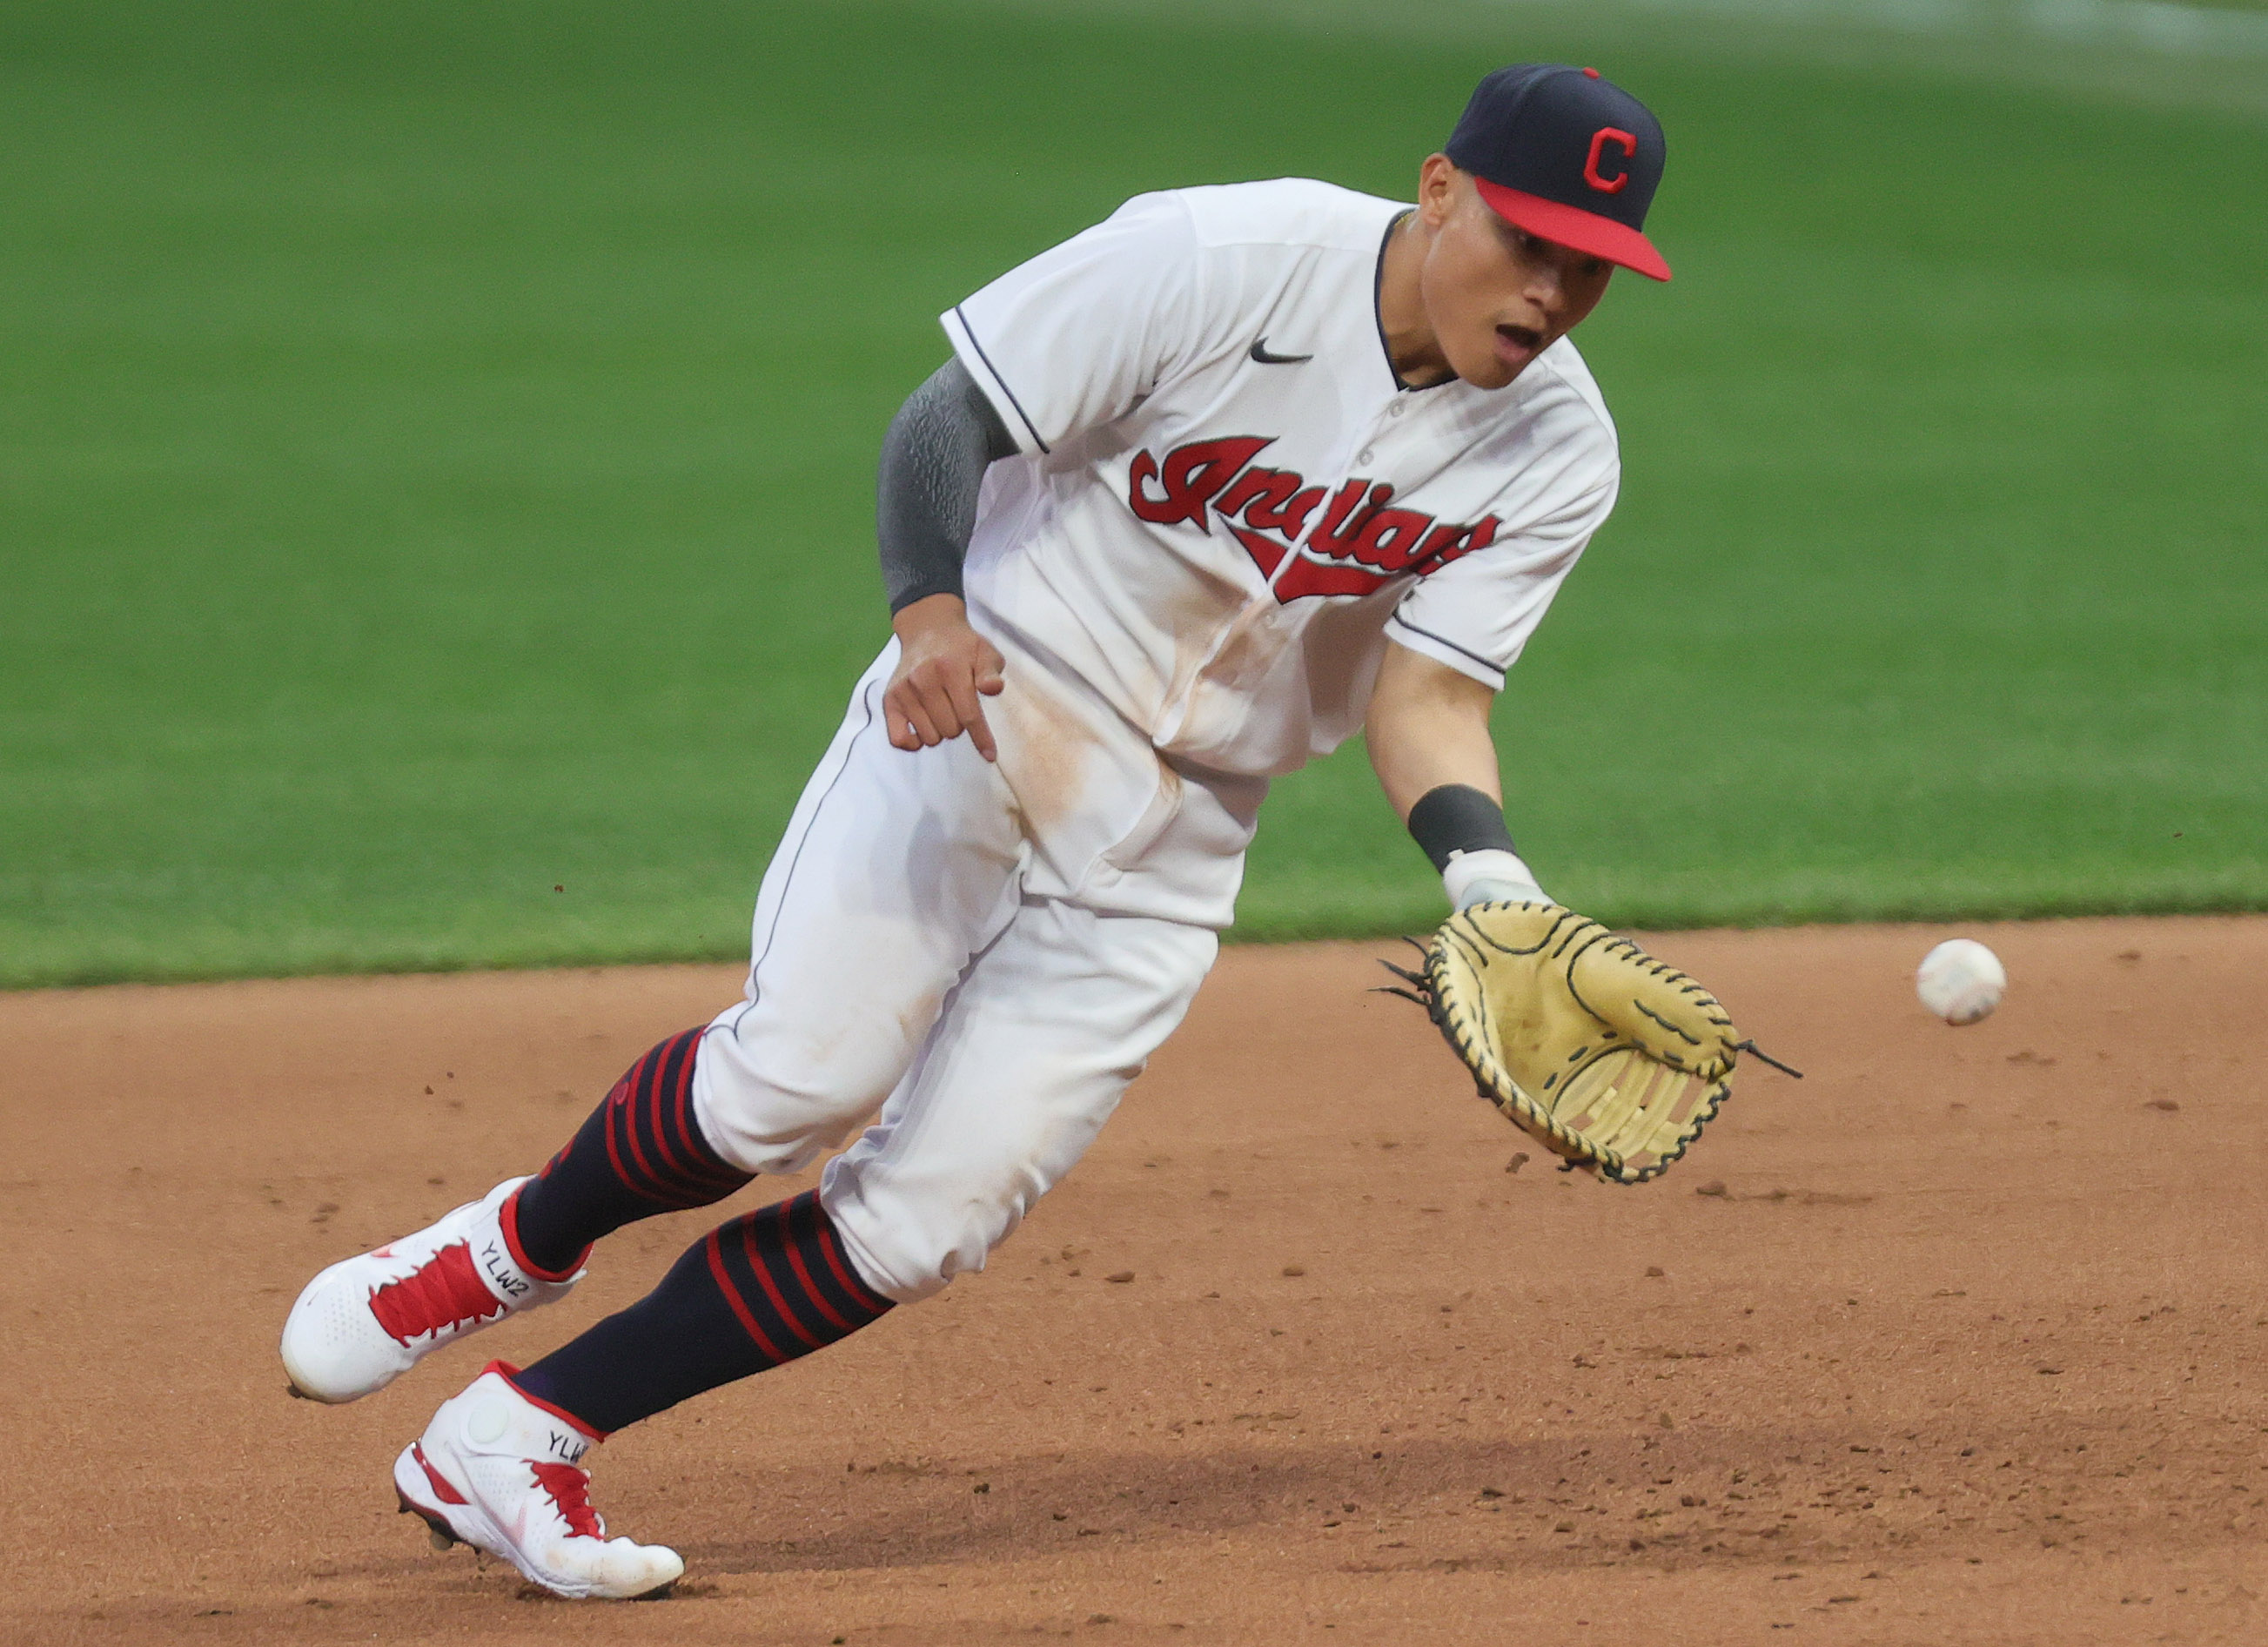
(1499, 355)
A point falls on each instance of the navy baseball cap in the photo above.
(1567, 155)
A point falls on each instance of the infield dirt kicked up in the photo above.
(1961, 1339)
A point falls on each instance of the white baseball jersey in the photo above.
(1225, 504)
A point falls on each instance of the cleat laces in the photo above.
(441, 1294)
(569, 1490)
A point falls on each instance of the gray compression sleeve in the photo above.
(933, 461)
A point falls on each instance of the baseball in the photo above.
(1960, 980)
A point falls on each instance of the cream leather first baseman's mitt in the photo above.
(1610, 1059)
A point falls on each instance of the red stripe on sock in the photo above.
(625, 1090)
(715, 1183)
(708, 1167)
(827, 1249)
(658, 1192)
(686, 1129)
(693, 1178)
(614, 1155)
(715, 1249)
(771, 1288)
(656, 1117)
(664, 1181)
(803, 1280)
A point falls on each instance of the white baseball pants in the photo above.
(899, 962)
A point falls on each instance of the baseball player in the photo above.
(1202, 491)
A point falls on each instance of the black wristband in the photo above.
(1452, 818)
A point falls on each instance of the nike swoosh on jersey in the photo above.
(1260, 354)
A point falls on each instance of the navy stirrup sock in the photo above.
(640, 1153)
(762, 1289)
(756, 1292)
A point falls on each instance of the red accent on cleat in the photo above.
(445, 1291)
(442, 1490)
(569, 1489)
(510, 1374)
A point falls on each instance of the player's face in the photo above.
(1496, 296)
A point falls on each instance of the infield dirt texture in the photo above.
(1967, 1350)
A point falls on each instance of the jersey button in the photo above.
(1365, 456)
(1397, 410)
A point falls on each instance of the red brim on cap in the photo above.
(1569, 226)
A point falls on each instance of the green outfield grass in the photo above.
(436, 454)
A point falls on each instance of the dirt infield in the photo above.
(1960, 1340)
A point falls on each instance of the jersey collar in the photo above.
(1378, 321)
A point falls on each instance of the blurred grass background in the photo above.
(436, 442)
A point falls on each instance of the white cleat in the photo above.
(366, 1321)
(505, 1474)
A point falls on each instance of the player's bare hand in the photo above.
(945, 671)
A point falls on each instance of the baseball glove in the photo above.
(1609, 1058)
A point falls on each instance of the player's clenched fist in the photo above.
(945, 669)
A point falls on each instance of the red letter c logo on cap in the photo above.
(1600, 139)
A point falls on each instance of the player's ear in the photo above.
(1436, 190)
